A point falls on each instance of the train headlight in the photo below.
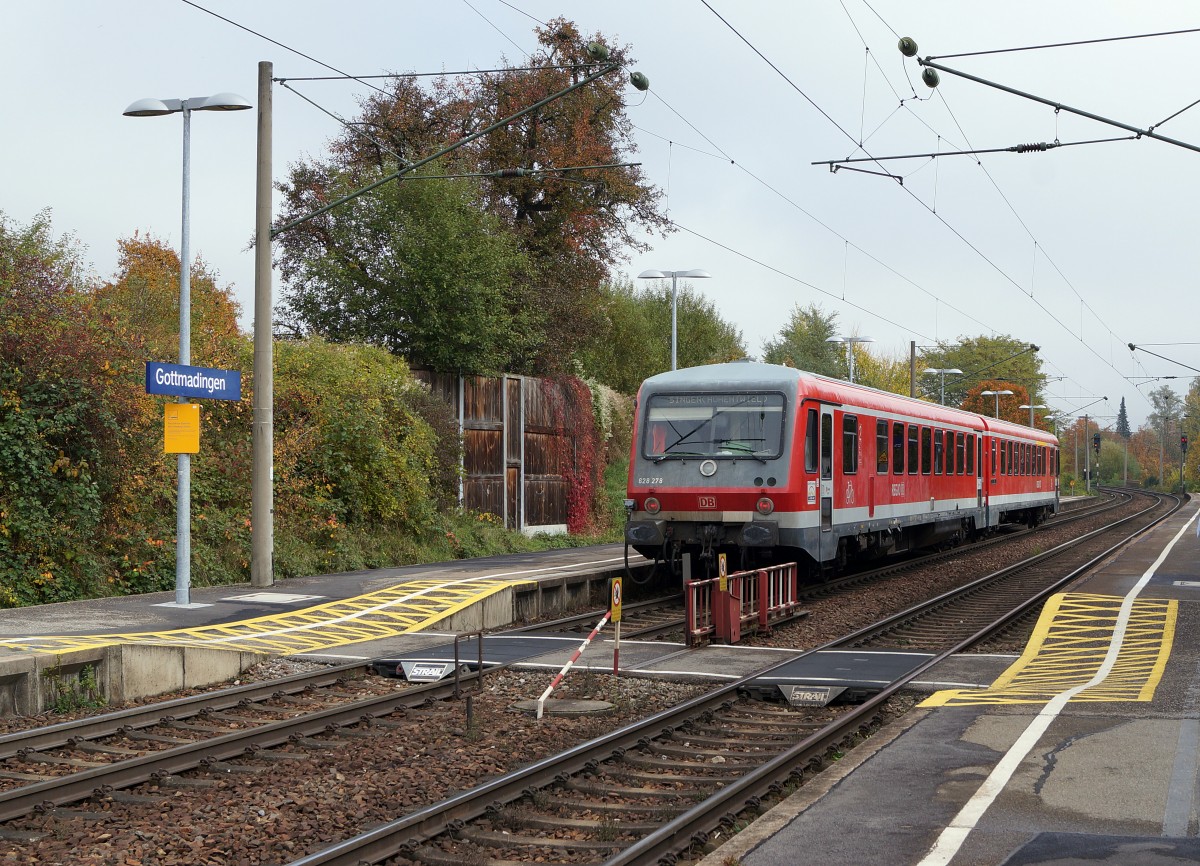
(764, 506)
(652, 505)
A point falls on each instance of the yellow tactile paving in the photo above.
(404, 608)
(1067, 648)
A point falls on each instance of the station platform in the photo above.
(1085, 750)
(145, 645)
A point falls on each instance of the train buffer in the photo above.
(720, 609)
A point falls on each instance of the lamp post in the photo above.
(996, 394)
(695, 274)
(156, 108)
(1031, 407)
(850, 341)
(943, 373)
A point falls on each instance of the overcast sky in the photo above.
(1080, 250)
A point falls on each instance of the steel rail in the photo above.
(867, 632)
(66, 733)
(122, 774)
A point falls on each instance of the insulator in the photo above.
(930, 77)
(598, 51)
(907, 46)
(1026, 148)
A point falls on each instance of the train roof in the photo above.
(757, 375)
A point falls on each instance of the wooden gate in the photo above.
(518, 446)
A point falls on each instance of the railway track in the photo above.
(72, 761)
(656, 790)
(630, 796)
(991, 601)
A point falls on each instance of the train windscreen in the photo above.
(714, 425)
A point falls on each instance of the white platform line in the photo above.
(956, 832)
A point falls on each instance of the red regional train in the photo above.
(772, 464)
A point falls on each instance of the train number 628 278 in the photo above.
(648, 479)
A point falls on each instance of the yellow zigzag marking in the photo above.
(400, 609)
(1068, 646)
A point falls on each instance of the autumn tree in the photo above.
(995, 359)
(64, 409)
(141, 300)
(573, 222)
(877, 370)
(1004, 406)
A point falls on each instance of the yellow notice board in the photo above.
(181, 428)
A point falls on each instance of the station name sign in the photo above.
(179, 380)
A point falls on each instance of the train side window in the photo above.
(939, 451)
(849, 443)
(810, 442)
(993, 441)
(914, 449)
(926, 450)
(1003, 458)
(881, 446)
(1042, 452)
(970, 453)
(827, 446)
(897, 448)
(960, 453)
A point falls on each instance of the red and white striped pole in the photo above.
(574, 658)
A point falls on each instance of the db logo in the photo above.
(707, 501)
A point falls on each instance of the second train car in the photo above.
(772, 464)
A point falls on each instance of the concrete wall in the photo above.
(32, 683)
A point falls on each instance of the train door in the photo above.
(979, 472)
(826, 446)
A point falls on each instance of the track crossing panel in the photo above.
(1068, 646)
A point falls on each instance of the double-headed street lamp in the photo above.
(1031, 407)
(943, 375)
(695, 274)
(996, 394)
(850, 341)
(156, 108)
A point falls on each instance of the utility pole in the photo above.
(912, 369)
(262, 497)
